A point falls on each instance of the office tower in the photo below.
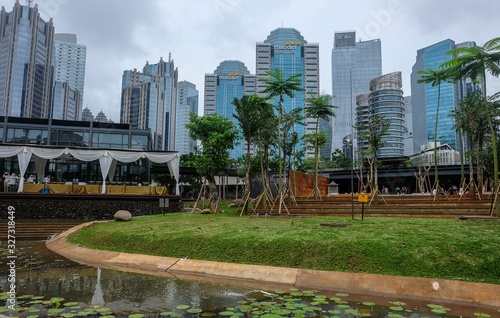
(66, 102)
(149, 101)
(385, 99)
(287, 50)
(69, 68)
(86, 115)
(187, 103)
(354, 65)
(102, 118)
(425, 97)
(408, 127)
(26, 62)
(230, 80)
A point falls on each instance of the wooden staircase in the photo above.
(388, 205)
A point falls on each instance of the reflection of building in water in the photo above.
(98, 298)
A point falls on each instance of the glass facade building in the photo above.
(149, 101)
(64, 133)
(230, 80)
(26, 62)
(425, 97)
(69, 68)
(354, 65)
(187, 103)
(386, 100)
(287, 50)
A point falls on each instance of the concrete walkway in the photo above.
(436, 289)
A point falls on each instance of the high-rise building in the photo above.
(26, 62)
(385, 99)
(66, 102)
(354, 65)
(409, 127)
(149, 101)
(287, 50)
(187, 103)
(69, 68)
(87, 115)
(102, 118)
(425, 97)
(230, 80)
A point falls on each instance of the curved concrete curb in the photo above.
(436, 289)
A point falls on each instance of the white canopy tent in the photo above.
(107, 159)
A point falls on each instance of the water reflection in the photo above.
(42, 272)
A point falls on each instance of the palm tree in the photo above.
(374, 132)
(469, 119)
(474, 62)
(435, 78)
(248, 113)
(320, 108)
(277, 85)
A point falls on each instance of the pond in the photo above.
(49, 285)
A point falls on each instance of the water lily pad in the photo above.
(193, 311)
(398, 303)
(226, 313)
(182, 307)
(341, 294)
(282, 312)
(394, 315)
(136, 316)
(108, 316)
(368, 303)
(170, 314)
(480, 314)
(439, 310)
(69, 304)
(396, 308)
(208, 314)
(270, 316)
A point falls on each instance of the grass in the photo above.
(416, 247)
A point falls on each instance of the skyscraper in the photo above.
(287, 50)
(26, 62)
(70, 69)
(230, 80)
(149, 101)
(354, 65)
(385, 99)
(187, 102)
(425, 97)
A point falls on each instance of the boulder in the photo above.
(122, 215)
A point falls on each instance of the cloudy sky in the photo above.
(199, 34)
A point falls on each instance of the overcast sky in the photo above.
(199, 34)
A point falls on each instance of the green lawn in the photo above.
(418, 247)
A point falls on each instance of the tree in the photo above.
(320, 108)
(374, 133)
(339, 160)
(474, 62)
(435, 78)
(470, 119)
(277, 85)
(217, 135)
(249, 111)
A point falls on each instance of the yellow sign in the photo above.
(363, 198)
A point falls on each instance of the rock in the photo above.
(122, 215)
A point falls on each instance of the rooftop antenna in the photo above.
(29, 3)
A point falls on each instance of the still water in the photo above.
(45, 275)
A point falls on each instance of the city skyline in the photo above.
(227, 30)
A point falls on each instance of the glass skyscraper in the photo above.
(354, 65)
(386, 100)
(26, 62)
(69, 68)
(230, 80)
(149, 101)
(187, 102)
(425, 97)
(287, 50)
